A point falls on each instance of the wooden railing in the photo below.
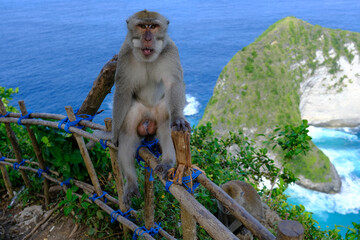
(191, 210)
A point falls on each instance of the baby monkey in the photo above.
(247, 197)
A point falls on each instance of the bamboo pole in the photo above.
(55, 125)
(15, 145)
(188, 223)
(31, 163)
(181, 140)
(85, 154)
(235, 209)
(149, 196)
(98, 202)
(210, 223)
(6, 180)
(117, 174)
(53, 116)
(37, 151)
(149, 201)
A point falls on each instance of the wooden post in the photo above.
(188, 224)
(37, 151)
(149, 200)
(181, 142)
(101, 87)
(85, 154)
(290, 230)
(15, 145)
(209, 222)
(117, 174)
(149, 196)
(6, 180)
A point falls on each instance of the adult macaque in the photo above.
(244, 194)
(149, 94)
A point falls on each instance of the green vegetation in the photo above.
(272, 69)
(210, 153)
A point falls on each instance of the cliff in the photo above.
(293, 71)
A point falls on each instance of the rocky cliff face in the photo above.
(333, 100)
(293, 71)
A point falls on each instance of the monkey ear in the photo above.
(168, 22)
(127, 21)
(242, 194)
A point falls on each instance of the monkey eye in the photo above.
(143, 26)
(153, 26)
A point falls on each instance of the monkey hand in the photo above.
(180, 125)
(115, 139)
(131, 190)
(162, 170)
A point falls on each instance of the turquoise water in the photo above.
(53, 50)
(342, 146)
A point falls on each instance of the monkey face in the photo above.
(148, 32)
(149, 41)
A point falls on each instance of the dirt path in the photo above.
(17, 222)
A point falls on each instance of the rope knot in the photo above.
(185, 180)
(69, 123)
(94, 197)
(40, 171)
(153, 148)
(103, 143)
(24, 117)
(66, 182)
(17, 165)
(151, 231)
(3, 116)
(116, 213)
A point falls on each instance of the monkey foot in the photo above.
(176, 174)
(130, 191)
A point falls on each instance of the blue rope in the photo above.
(186, 180)
(69, 124)
(167, 185)
(17, 165)
(151, 231)
(7, 114)
(153, 147)
(103, 143)
(40, 171)
(2, 158)
(114, 214)
(94, 197)
(23, 117)
(66, 182)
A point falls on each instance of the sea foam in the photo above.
(192, 105)
(345, 155)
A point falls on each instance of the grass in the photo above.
(262, 86)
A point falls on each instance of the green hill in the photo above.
(259, 88)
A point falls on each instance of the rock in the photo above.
(330, 100)
(334, 186)
(315, 76)
(29, 216)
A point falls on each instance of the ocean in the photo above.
(53, 50)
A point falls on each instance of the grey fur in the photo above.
(146, 86)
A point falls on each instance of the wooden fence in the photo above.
(192, 211)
